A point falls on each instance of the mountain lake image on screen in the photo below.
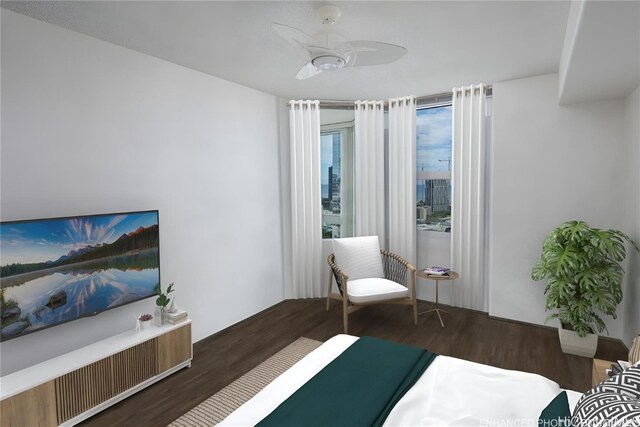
(56, 270)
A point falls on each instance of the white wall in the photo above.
(631, 303)
(550, 164)
(90, 127)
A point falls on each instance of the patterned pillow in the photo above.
(614, 402)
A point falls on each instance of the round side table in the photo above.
(451, 275)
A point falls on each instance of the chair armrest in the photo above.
(340, 276)
(396, 268)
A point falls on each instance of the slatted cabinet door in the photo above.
(174, 348)
(34, 407)
(82, 389)
(135, 365)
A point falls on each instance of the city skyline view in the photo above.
(330, 180)
(327, 159)
(433, 139)
(433, 167)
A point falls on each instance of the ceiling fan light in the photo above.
(328, 62)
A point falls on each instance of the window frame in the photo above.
(430, 175)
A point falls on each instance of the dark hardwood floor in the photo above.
(223, 357)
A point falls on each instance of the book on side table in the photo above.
(437, 271)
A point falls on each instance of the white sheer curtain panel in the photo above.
(306, 208)
(467, 212)
(369, 169)
(402, 177)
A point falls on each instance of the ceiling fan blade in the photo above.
(309, 70)
(294, 35)
(373, 53)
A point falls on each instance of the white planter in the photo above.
(572, 343)
(145, 324)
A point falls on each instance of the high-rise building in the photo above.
(330, 196)
(437, 193)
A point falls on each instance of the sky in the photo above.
(47, 240)
(433, 139)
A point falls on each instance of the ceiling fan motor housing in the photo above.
(328, 14)
(328, 62)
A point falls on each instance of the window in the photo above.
(336, 174)
(330, 180)
(433, 168)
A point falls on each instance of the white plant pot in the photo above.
(572, 343)
(145, 324)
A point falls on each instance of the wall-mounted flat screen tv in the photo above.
(56, 270)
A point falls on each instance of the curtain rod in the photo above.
(342, 104)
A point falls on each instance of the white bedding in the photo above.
(451, 392)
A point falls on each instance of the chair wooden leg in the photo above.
(329, 288)
(345, 313)
(415, 298)
(345, 322)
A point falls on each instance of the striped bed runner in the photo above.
(220, 405)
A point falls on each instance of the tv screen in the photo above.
(56, 270)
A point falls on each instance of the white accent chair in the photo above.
(368, 275)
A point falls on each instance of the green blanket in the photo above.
(358, 388)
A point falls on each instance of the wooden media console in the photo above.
(70, 388)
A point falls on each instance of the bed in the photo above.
(450, 392)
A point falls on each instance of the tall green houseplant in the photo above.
(584, 277)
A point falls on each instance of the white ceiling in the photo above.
(449, 43)
(601, 54)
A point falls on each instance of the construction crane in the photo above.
(448, 161)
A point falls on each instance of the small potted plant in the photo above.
(161, 303)
(144, 320)
(584, 278)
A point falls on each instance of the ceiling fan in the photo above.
(327, 52)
